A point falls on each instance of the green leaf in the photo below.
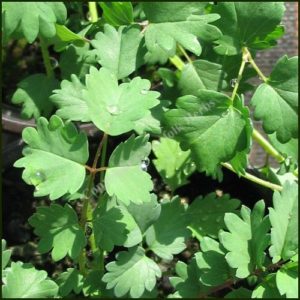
(188, 284)
(171, 23)
(287, 280)
(240, 161)
(289, 149)
(145, 214)
(150, 123)
(54, 158)
(201, 74)
(65, 36)
(118, 51)
(243, 23)
(114, 108)
(267, 289)
(276, 101)
(269, 40)
(69, 98)
(284, 222)
(76, 60)
(133, 264)
(170, 83)
(6, 253)
(117, 13)
(168, 234)
(33, 19)
(212, 263)
(93, 286)
(24, 281)
(69, 281)
(33, 93)
(206, 215)
(210, 127)
(58, 228)
(124, 177)
(113, 225)
(173, 164)
(247, 239)
(240, 293)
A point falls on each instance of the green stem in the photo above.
(93, 12)
(254, 65)
(86, 213)
(255, 179)
(177, 62)
(185, 54)
(46, 58)
(103, 158)
(267, 146)
(240, 74)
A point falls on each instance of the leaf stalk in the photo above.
(46, 58)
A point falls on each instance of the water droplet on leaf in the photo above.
(144, 167)
(113, 109)
(146, 160)
(144, 92)
(37, 177)
(233, 82)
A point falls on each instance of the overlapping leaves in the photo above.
(246, 24)
(171, 23)
(208, 125)
(206, 215)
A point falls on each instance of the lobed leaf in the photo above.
(211, 261)
(244, 23)
(24, 281)
(247, 239)
(70, 101)
(69, 281)
(173, 164)
(33, 19)
(287, 280)
(171, 23)
(54, 158)
(124, 177)
(206, 215)
(201, 74)
(284, 222)
(119, 51)
(132, 264)
(33, 93)
(210, 127)
(115, 108)
(58, 228)
(113, 225)
(167, 235)
(276, 101)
